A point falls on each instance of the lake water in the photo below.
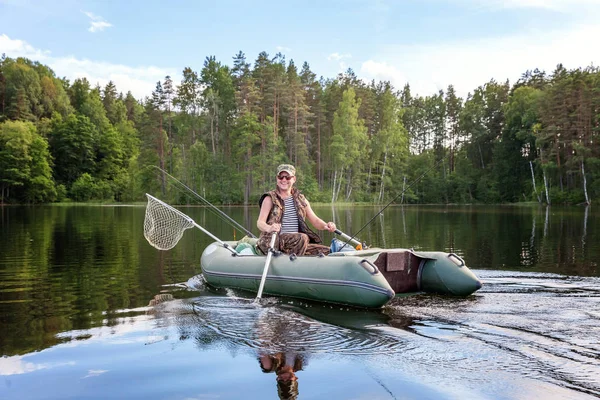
(89, 310)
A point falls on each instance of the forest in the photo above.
(222, 131)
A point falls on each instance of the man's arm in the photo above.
(318, 222)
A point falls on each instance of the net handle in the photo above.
(190, 220)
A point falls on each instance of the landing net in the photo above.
(164, 225)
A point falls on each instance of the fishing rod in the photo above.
(416, 180)
(220, 213)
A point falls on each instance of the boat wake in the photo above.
(538, 327)
(542, 326)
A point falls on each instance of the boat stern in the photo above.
(432, 272)
(446, 273)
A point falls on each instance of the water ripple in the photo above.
(542, 326)
(272, 329)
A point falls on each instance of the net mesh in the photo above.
(164, 225)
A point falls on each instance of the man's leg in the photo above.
(295, 243)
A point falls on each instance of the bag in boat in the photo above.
(246, 248)
(337, 245)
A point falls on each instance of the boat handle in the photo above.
(370, 267)
(456, 259)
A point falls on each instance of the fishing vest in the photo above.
(276, 214)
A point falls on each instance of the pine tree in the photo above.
(109, 100)
(157, 103)
(348, 141)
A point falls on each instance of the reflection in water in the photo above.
(75, 286)
(275, 339)
(282, 335)
(546, 220)
(584, 234)
(284, 364)
(542, 327)
(539, 326)
(382, 233)
(524, 335)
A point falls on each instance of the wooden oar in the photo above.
(266, 268)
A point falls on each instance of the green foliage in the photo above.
(227, 189)
(72, 143)
(87, 188)
(25, 164)
(310, 188)
(61, 192)
(222, 131)
(40, 187)
(348, 142)
(22, 90)
(558, 196)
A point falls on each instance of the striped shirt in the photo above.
(289, 222)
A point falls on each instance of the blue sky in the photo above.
(426, 43)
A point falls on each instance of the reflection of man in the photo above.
(285, 366)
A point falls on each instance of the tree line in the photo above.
(223, 130)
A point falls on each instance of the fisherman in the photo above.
(284, 211)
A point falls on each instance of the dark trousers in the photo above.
(293, 243)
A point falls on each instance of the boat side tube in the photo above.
(446, 273)
(350, 280)
(431, 272)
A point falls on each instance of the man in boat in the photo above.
(285, 210)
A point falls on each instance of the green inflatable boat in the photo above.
(361, 278)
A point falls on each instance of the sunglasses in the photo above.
(286, 177)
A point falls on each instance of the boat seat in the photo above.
(401, 269)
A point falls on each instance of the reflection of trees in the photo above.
(584, 234)
(72, 267)
(541, 239)
(75, 267)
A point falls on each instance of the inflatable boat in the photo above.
(360, 278)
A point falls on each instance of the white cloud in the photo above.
(16, 365)
(98, 26)
(340, 59)
(338, 56)
(95, 372)
(382, 71)
(97, 23)
(141, 81)
(470, 64)
(554, 5)
(283, 49)
(20, 48)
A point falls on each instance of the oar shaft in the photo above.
(216, 239)
(266, 268)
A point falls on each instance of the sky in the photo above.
(428, 44)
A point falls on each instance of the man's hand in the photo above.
(330, 226)
(274, 228)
